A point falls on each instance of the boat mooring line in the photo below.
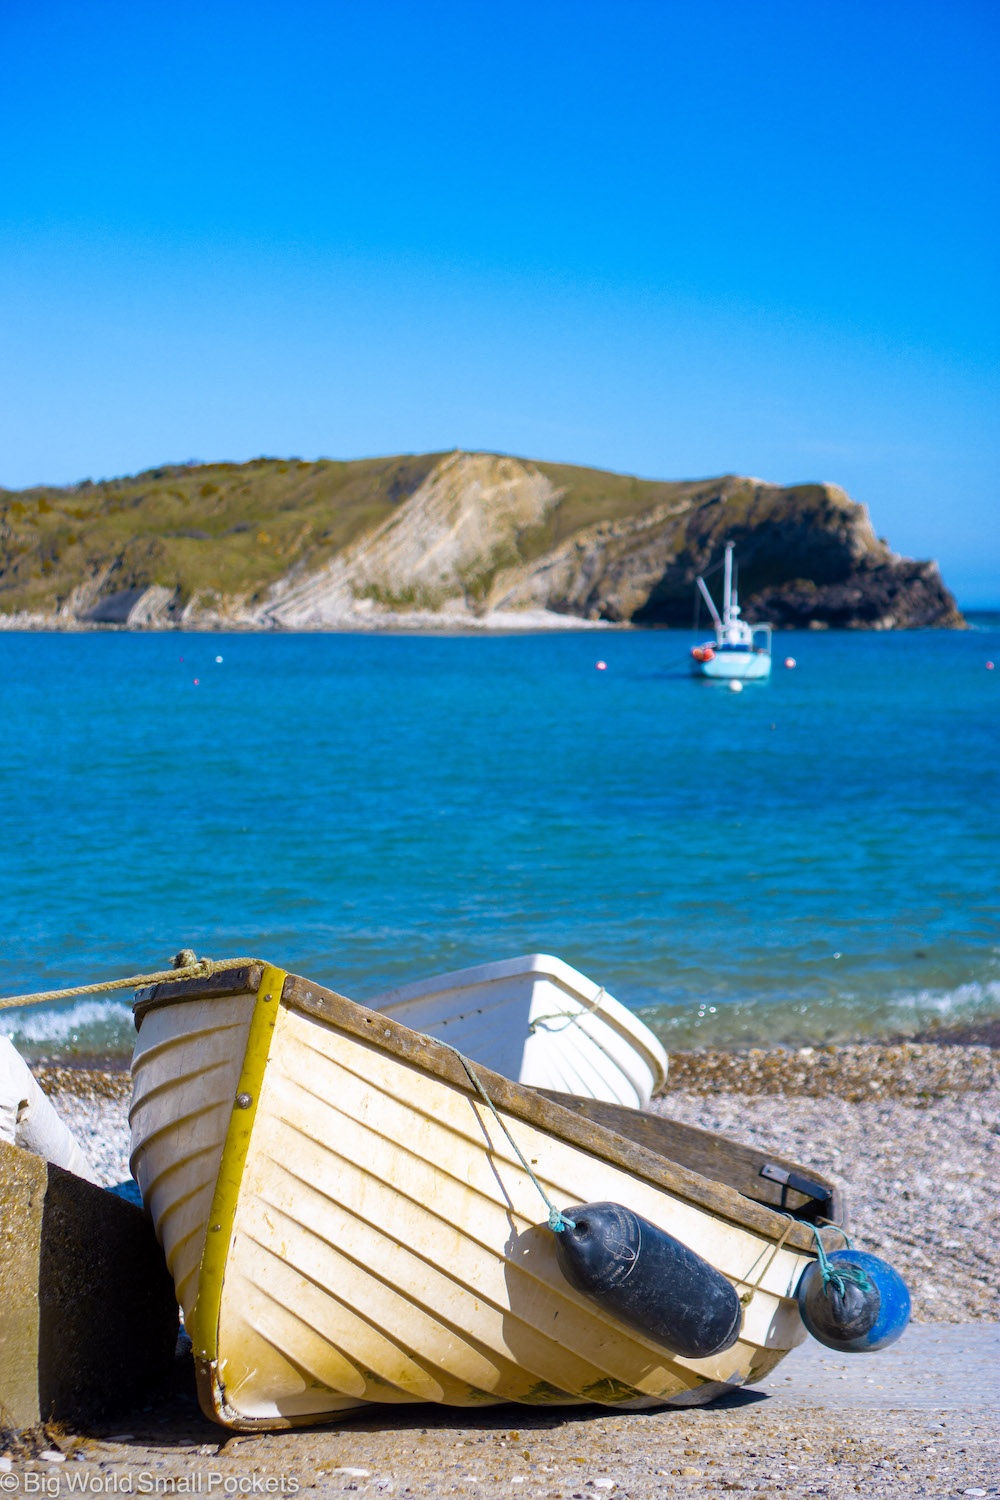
(557, 1219)
(747, 1297)
(198, 968)
(571, 1015)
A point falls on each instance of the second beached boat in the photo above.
(354, 1213)
(540, 1021)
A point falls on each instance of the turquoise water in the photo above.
(813, 858)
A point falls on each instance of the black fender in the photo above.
(649, 1280)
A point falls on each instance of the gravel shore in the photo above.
(913, 1131)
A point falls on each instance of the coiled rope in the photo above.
(192, 968)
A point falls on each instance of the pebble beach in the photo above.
(912, 1130)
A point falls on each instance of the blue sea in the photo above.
(812, 859)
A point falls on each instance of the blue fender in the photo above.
(851, 1317)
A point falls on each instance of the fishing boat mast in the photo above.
(728, 625)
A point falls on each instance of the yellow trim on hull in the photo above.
(203, 1325)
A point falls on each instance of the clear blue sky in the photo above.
(673, 239)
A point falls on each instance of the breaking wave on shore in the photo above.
(94, 1029)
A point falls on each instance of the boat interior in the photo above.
(761, 1177)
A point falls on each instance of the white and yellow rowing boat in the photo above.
(351, 1214)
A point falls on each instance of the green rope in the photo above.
(838, 1277)
(558, 1221)
(570, 1015)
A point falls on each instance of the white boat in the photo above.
(740, 652)
(539, 1021)
(352, 1213)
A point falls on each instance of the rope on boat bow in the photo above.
(747, 1297)
(557, 1219)
(194, 968)
(570, 1015)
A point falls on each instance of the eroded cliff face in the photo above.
(452, 540)
(436, 554)
(806, 555)
(462, 546)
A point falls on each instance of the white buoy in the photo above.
(789, 662)
(735, 687)
(601, 666)
(218, 658)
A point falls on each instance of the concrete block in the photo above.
(88, 1317)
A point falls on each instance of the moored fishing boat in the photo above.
(352, 1213)
(740, 652)
(540, 1021)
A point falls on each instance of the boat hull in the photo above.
(540, 1021)
(734, 666)
(347, 1220)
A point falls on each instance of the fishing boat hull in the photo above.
(540, 1021)
(731, 666)
(346, 1219)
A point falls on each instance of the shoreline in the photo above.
(498, 622)
(910, 1064)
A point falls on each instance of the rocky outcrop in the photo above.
(456, 551)
(459, 539)
(806, 555)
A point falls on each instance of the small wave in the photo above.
(799, 1022)
(98, 1027)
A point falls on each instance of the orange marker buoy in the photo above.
(789, 661)
(196, 682)
(989, 666)
(601, 666)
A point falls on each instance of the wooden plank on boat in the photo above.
(713, 1156)
(226, 982)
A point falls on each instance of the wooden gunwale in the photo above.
(712, 1156)
(217, 986)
